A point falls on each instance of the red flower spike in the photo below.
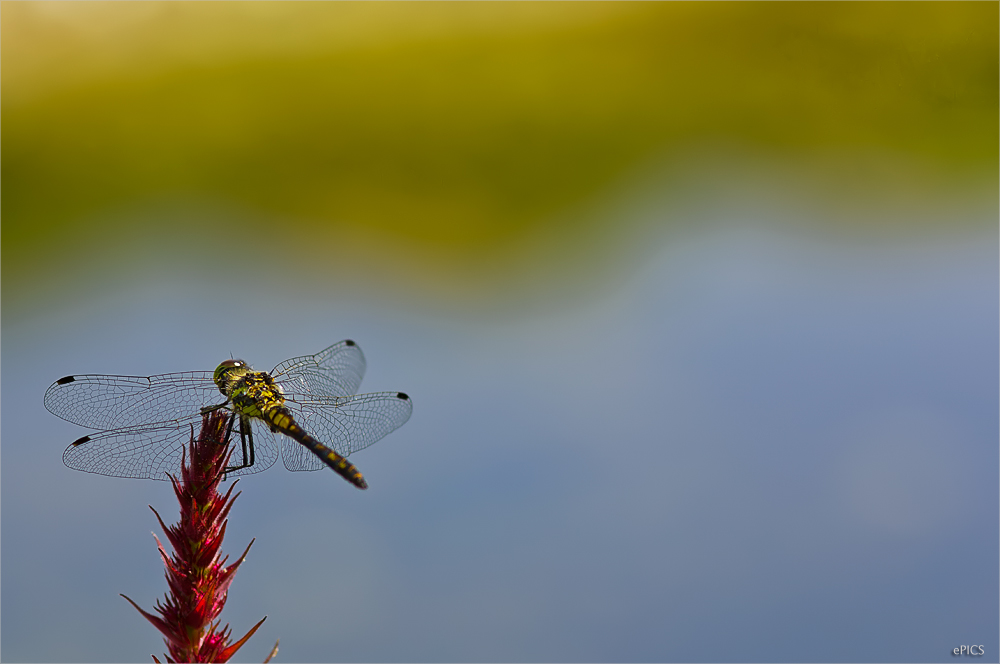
(231, 650)
(197, 579)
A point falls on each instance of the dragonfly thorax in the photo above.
(255, 394)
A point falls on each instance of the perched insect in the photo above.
(143, 423)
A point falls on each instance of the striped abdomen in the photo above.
(281, 420)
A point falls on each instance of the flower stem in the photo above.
(197, 575)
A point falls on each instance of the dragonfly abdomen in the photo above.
(282, 421)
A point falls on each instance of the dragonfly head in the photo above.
(224, 373)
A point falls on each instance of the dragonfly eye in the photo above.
(222, 372)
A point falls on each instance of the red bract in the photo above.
(197, 578)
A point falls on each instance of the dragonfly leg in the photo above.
(250, 440)
(226, 438)
(211, 409)
(229, 428)
(246, 443)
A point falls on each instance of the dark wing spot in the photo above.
(349, 342)
(81, 441)
(402, 395)
(67, 379)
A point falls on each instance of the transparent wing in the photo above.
(150, 452)
(119, 402)
(347, 424)
(265, 446)
(334, 372)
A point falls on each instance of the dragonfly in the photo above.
(306, 407)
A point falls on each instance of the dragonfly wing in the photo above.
(298, 457)
(334, 372)
(265, 449)
(150, 452)
(347, 424)
(141, 452)
(120, 402)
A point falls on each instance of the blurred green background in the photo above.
(453, 150)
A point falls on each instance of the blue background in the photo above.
(758, 444)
